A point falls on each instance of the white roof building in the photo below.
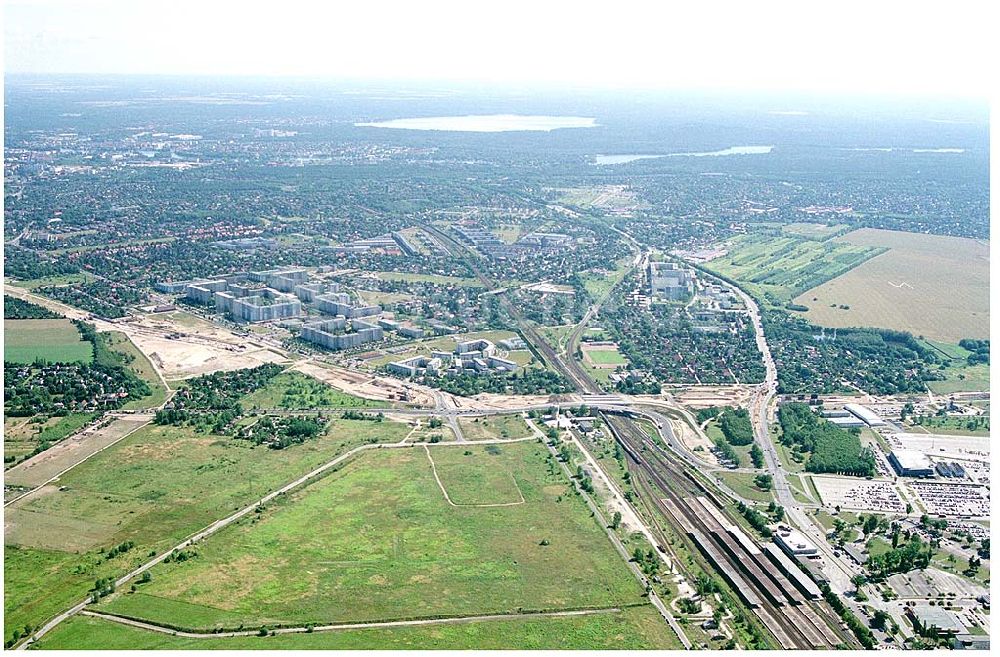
(795, 543)
(867, 415)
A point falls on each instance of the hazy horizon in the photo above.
(890, 49)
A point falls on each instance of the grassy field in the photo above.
(154, 488)
(598, 285)
(141, 367)
(492, 427)
(784, 267)
(742, 484)
(556, 335)
(55, 340)
(929, 285)
(959, 375)
(372, 297)
(377, 540)
(294, 390)
(65, 279)
(951, 425)
(814, 231)
(633, 628)
(21, 434)
(476, 476)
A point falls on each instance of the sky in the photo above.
(870, 46)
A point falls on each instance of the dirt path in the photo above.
(475, 506)
(228, 520)
(352, 626)
(70, 452)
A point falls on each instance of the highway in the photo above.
(840, 573)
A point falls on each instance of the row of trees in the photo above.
(14, 308)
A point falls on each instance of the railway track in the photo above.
(784, 607)
(572, 370)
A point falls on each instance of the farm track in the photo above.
(153, 627)
(675, 496)
(230, 519)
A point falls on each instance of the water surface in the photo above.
(486, 123)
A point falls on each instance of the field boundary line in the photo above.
(228, 520)
(84, 460)
(304, 629)
(470, 506)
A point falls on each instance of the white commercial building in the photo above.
(865, 414)
(794, 543)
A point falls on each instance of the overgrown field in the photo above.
(929, 285)
(492, 427)
(781, 266)
(471, 477)
(52, 340)
(634, 628)
(960, 376)
(294, 390)
(25, 435)
(377, 540)
(154, 488)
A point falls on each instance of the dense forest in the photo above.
(830, 448)
(14, 308)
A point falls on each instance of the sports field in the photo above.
(603, 355)
(54, 340)
(378, 540)
(784, 266)
(633, 628)
(929, 285)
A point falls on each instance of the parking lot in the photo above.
(859, 494)
(950, 499)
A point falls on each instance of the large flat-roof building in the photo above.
(336, 334)
(795, 543)
(669, 281)
(865, 414)
(934, 621)
(910, 463)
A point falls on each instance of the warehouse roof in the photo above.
(868, 415)
(912, 459)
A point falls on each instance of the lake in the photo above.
(485, 123)
(601, 160)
